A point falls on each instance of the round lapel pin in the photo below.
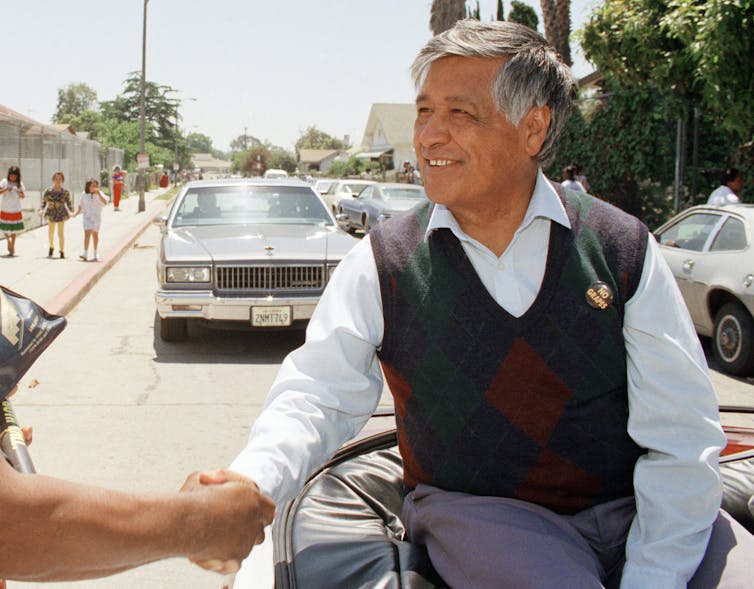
(599, 295)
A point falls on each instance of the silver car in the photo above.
(250, 253)
(345, 188)
(709, 250)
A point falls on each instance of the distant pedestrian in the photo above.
(164, 180)
(569, 179)
(580, 177)
(731, 182)
(11, 216)
(57, 208)
(119, 177)
(91, 205)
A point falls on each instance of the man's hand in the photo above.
(236, 514)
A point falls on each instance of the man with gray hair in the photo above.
(555, 416)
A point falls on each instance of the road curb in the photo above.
(67, 299)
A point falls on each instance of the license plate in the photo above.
(270, 316)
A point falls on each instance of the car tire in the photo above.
(173, 329)
(365, 224)
(732, 340)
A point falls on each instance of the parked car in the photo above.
(322, 185)
(377, 203)
(344, 189)
(245, 253)
(709, 250)
(274, 173)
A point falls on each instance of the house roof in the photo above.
(396, 120)
(207, 161)
(9, 112)
(63, 128)
(316, 156)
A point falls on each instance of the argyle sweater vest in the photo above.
(534, 407)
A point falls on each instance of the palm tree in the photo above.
(445, 13)
(556, 15)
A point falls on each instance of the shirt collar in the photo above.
(545, 203)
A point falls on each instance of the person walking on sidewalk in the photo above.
(57, 208)
(119, 177)
(11, 216)
(92, 202)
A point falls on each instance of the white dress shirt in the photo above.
(721, 196)
(327, 389)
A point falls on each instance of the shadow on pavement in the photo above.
(210, 346)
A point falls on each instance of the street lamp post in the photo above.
(142, 108)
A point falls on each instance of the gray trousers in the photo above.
(498, 543)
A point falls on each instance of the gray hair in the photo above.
(532, 73)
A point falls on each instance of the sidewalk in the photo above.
(58, 285)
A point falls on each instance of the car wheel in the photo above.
(365, 224)
(173, 329)
(732, 340)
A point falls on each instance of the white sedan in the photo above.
(709, 250)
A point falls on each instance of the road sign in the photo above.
(142, 161)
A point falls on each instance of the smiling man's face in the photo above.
(468, 151)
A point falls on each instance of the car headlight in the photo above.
(187, 274)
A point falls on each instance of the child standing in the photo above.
(119, 177)
(11, 216)
(56, 206)
(92, 202)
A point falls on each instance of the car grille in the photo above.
(270, 278)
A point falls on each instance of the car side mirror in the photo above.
(162, 222)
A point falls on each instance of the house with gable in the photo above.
(388, 136)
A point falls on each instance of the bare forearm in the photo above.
(56, 530)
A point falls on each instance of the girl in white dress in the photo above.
(11, 215)
(92, 202)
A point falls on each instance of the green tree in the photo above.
(313, 138)
(696, 54)
(243, 142)
(500, 13)
(89, 121)
(199, 143)
(281, 159)
(523, 14)
(73, 101)
(162, 111)
(353, 166)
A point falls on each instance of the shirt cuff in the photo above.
(641, 577)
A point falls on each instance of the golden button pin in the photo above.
(599, 295)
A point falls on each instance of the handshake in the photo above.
(55, 530)
(231, 515)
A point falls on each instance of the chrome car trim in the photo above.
(227, 309)
(270, 278)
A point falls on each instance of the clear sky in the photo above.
(273, 68)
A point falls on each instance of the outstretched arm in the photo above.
(58, 530)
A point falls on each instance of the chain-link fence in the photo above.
(41, 150)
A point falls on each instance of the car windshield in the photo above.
(690, 233)
(241, 205)
(403, 193)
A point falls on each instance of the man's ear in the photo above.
(536, 124)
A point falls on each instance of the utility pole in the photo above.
(142, 108)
